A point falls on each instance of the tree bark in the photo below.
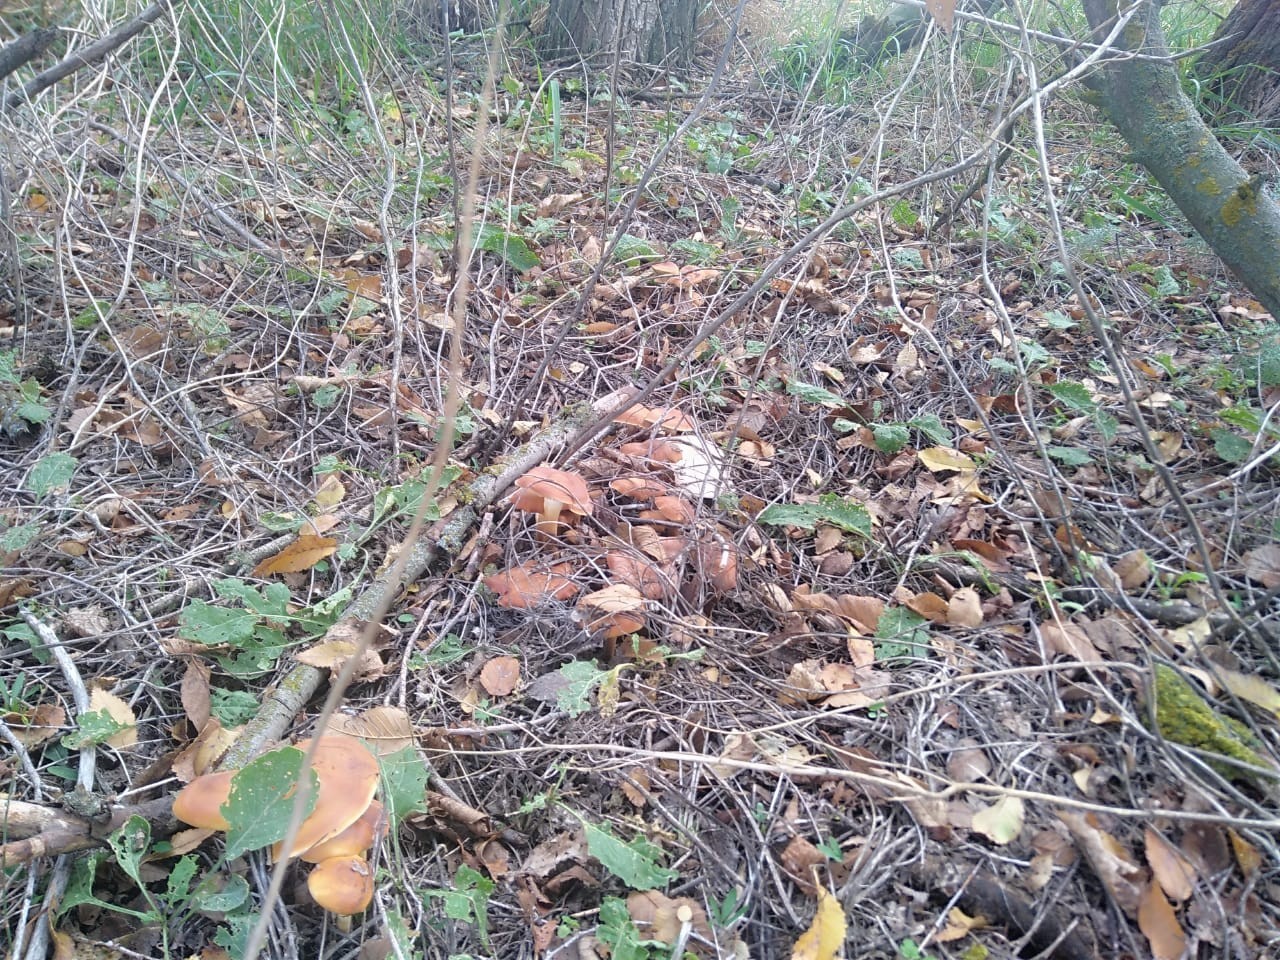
(1243, 66)
(656, 33)
(1235, 214)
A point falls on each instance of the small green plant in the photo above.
(21, 401)
(468, 900)
(908, 950)
(901, 633)
(830, 848)
(727, 910)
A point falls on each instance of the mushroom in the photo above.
(547, 492)
(200, 802)
(348, 776)
(343, 886)
(356, 839)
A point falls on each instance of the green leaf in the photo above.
(234, 937)
(582, 677)
(232, 707)
(80, 889)
(94, 728)
(51, 473)
(901, 633)
(809, 393)
(510, 247)
(179, 885)
(19, 537)
(634, 863)
(404, 783)
(890, 437)
(845, 514)
(130, 844)
(1074, 395)
(1070, 456)
(216, 626)
(1231, 447)
(632, 248)
(619, 931)
(220, 893)
(261, 801)
(931, 426)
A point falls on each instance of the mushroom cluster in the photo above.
(345, 824)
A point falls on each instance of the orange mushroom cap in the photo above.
(348, 776)
(546, 490)
(356, 839)
(200, 802)
(342, 885)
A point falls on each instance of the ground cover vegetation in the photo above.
(813, 504)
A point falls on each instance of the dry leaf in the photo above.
(944, 14)
(1124, 879)
(36, 726)
(1068, 640)
(1133, 569)
(964, 609)
(120, 712)
(332, 655)
(386, 730)
(941, 459)
(1247, 855)
(1263, 565)
(1171, 869)
(195, 693)
(1157, 920)
(969, 763)
(500, 676)
(303, 554)
(1002, 821)
(959, 925)
(1248, 686)
(825, 937)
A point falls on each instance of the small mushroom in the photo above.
(548, 492)
(200, 802)
(343, 886)
(356, 839)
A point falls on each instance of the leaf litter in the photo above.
(890, 530)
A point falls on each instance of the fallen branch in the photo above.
(98, 50)
(25, 49)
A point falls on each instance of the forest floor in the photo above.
(865, 612)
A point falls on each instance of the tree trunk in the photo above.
(1236, 215)
(1244, 65)
(657, 33)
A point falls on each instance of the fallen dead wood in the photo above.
(44, 831)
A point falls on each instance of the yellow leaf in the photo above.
(330, 492)
(1001, 822)
(825, 937)
(959, 925)
(119, 711)
(1248, 686)
(937, 459)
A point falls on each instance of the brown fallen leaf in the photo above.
(1158, 921)
(120, 712)
(964, 609)
(303, 554)
(1123, 879)
(1172, 871)
(332, 655)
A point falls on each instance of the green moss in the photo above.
(1209, 187)
(1183, 716)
